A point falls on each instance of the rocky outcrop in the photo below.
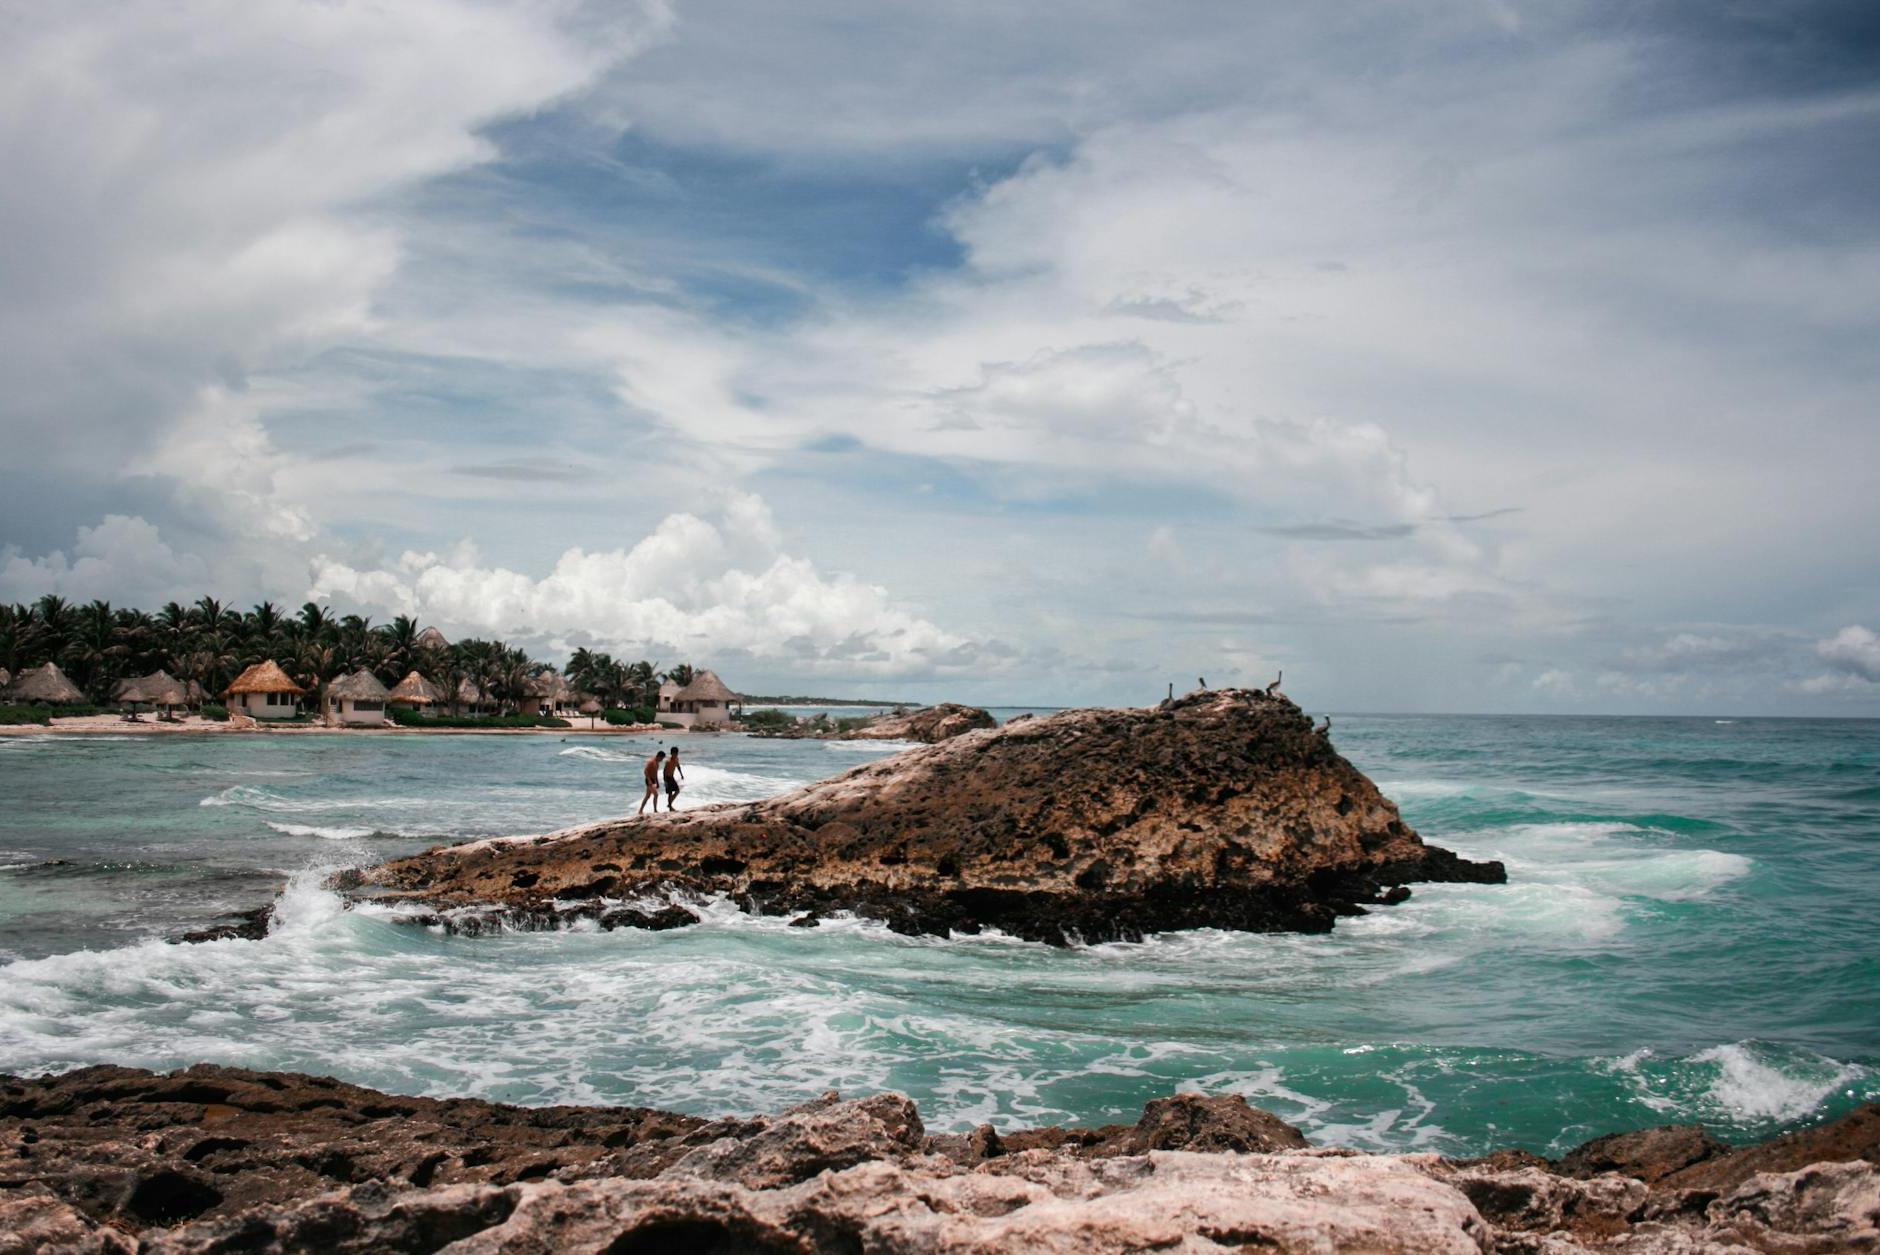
(1224, 809)
(223, 1159)
(929, 725)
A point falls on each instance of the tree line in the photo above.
(99, 645)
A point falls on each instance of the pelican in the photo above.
(1274, 686)
(1327, 729)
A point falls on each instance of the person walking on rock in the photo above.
(674, 774)
(652, 782)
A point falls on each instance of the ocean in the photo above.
(1689, 933)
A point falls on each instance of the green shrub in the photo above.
(851, 724)
(630, 714)
(25, 714)
(676, 727)
(767, 720)
(214, 710)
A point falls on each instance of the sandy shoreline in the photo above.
(112, 725)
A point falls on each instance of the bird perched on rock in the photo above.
(1274, 686)
(1327, 729)
(1201, 682)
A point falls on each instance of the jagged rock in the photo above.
(1854, 1136)
(249, 925)
(1825, 1207)
(35, 1221)
(211, 1159)
(1649, 1154)
(928, 725)
(137, 1148)
(1222, 809)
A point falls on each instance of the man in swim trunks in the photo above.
(674, 774)
(652, 782)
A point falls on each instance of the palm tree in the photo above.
(315, 620)
(264, 621)
(643, 677)
(210, 614)
(401, 639)
(681, 674)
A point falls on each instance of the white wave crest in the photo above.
(1750, 1084)
(315, 830)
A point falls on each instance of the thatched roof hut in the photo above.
(468, 694)
(591, 707)
(159, 688)
(415, 690)
(431, 638)
(5, 679)
(549, 686)
(706, 687)
(45, 683)
(360, 686)
(265, 676)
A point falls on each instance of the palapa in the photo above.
(265, 676)
(159, 688)
(415, 690)
(468, 694)
(431, 638)
(360, 686)
(45, 683)
(705, 687)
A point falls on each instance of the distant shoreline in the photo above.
(111, 725)
(822, 701)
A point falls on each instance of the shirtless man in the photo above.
(652, 782)
(674, 774)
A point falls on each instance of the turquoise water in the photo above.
(1688, 934)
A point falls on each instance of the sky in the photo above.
(1470, 356)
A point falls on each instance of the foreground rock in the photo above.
(1225, 809)
(222, 1159)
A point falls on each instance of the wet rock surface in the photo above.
(1223, 809)
(214, 1159)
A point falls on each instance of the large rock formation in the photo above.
(1223, 809)
(223, 1159)
(929, 725)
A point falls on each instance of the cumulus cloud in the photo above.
(122, 559)
(1853, 652)
(718, 589)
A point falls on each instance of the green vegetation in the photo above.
(411, 719)
(208, 644)
(627, 715)
(214, 710)
(767, 720)
(25, 714)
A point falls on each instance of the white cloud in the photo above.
(1853, 652)
(694, 587)
(123, 559)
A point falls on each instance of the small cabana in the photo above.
(550, 693)
(471, 698)
(159, 688)
(591, 707)
(415, 692)
(431, 638)
(704, 703)
(264, 692)
(667, 691)
(357, 698)
(45, 683)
